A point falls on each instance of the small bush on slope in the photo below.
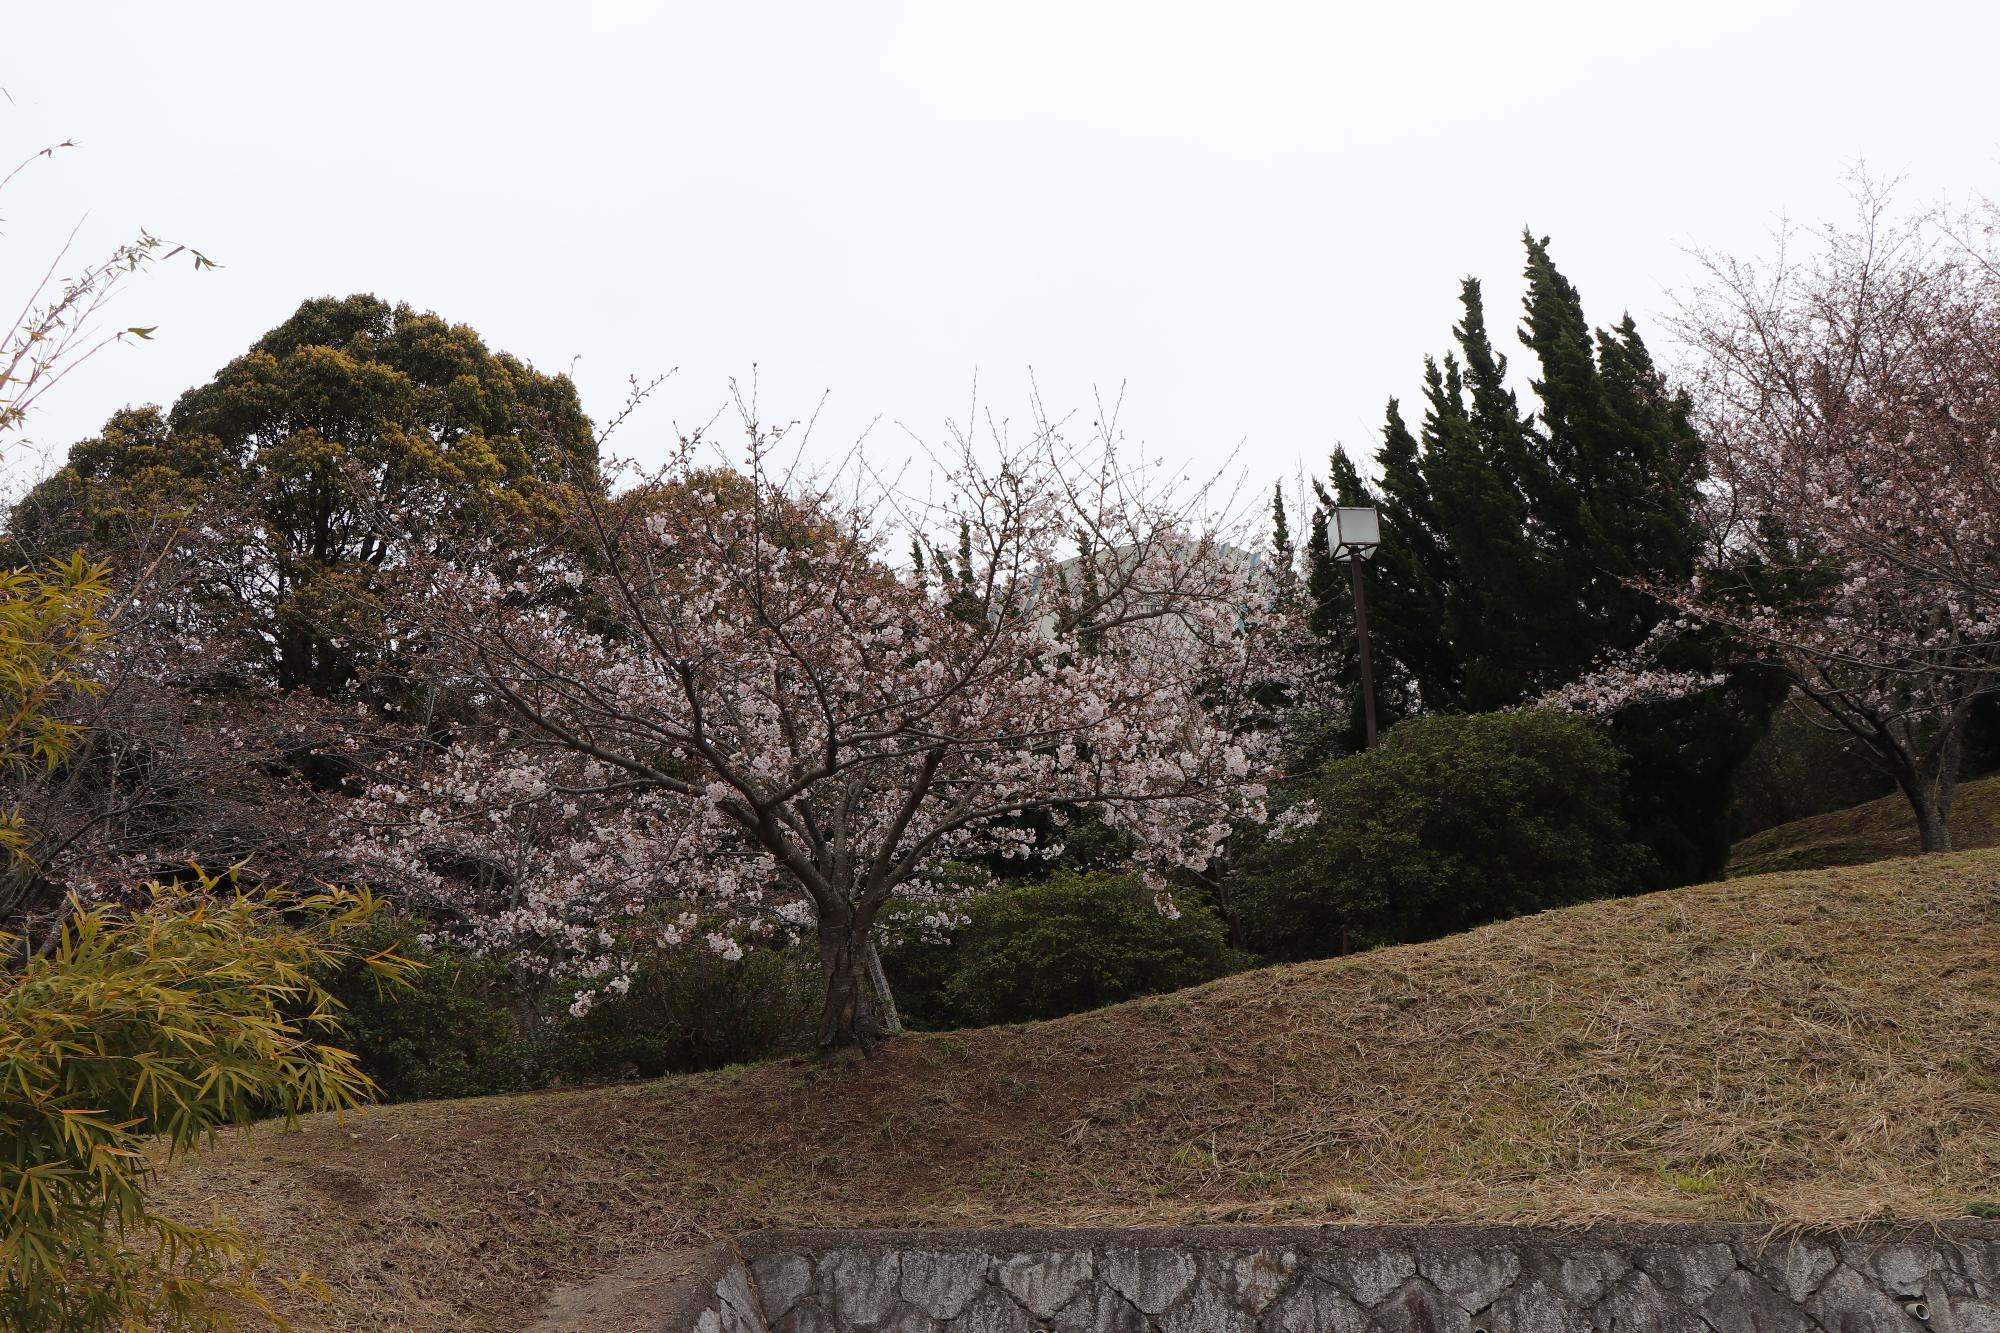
(1798, 770)
(689, 1009)
(465, 1027)
(451, 1032)
(1450, 822)
(1076, 942)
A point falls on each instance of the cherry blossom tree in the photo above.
(753, 711)
(174, 759)
(1850, 397)
(536, 853)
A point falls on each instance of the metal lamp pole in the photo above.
(1357, 532)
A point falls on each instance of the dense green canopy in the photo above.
(1513, 544)
(318, 456)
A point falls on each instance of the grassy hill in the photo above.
(1870, 832)
(1820, 1045)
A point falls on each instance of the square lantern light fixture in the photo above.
(1356, 533)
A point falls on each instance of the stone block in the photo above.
(943, 1284)
(1795, 1265)
(1900, 1270)
(1208, 1309)
(1747, 1302)
(735, 1306)
(1419, 1307)
(857, 1287)
(1474, 1278)
(1583, 1274)
(994, 1311)
(782, 1281)
(1311, 1305)
(1367, 1274)
(1045, 1283)
(1152, 1278)
(1636, 1301)
(1099, 1308)
(1852, 1303)
(1973, 1316)
(1532, 1305)
(1254, 1278)
(808, 1317)
(1690, 1272)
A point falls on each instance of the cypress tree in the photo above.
(1512, 543)
(1413, 575)
(1281, 528)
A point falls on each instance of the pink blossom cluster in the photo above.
(539, 856)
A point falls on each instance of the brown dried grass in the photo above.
(1873, 831)
(1812, 1046)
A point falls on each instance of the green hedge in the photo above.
(452, 1032)
(1062, 945)
(1449, 822)
(464, 1028)
(689, 1009)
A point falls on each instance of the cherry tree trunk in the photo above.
(1929, 795)
(849, 1015)
(1929, 780)
(1933, 819)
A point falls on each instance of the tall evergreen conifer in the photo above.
(1511, 540)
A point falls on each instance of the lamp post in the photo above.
(1356, 534)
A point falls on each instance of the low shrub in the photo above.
(1040, 950)
(456, 1030)
(465, 1028)
(920, 962)
(1074, 942)
(1800, 769)
(1449, 822)
(688, 1009)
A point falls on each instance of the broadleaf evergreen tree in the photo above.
(331, 446)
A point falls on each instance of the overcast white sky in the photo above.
(1254, 216)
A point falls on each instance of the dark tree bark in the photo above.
(849, 1014)
(1930, 786)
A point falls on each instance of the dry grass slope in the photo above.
(1871, 832)
(1820, 1045)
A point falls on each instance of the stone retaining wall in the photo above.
(1425, 1279)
